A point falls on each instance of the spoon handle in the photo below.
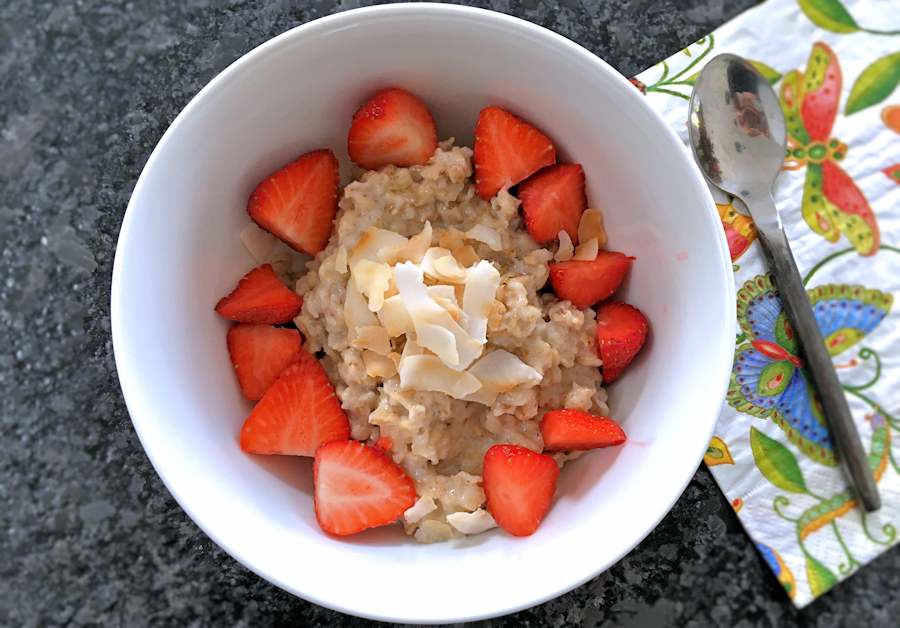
(816, 358)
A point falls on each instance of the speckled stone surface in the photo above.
(89, 534)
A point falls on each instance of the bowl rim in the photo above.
(124, 360)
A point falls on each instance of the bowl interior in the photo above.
(179, 252)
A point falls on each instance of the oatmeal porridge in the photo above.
(545, 348)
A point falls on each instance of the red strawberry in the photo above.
(585, 282)
(552, 201)
(259, 353)
(507, 150)
(621, 332)
(260, 297)
(358, 487)
(519, 486)
(575, 429)
(298, 203)
(297, 413)
(392, 127)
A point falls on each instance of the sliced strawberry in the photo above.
(621, 332)
(297, 413)
(259, 353)
(565, 430)
(552, 201)
(392, 127)
(519, 486)
(358, 487)
(585, 282)
(260, 297)
(507, 150)
(297, 204)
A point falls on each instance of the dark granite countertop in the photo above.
(89, 533)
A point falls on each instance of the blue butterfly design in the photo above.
(768, 379)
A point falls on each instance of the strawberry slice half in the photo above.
(297, 414)
(392, 127)
(297, 204)
(621, 332)
(567, 429)
(358, 487)
(507, 150)
(552, 201)
(260, 297)
(519, 485)
(259, 353)
(585, 282)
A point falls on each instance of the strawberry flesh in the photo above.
(507, 150)
(358, 487)
(552, 201)
(566, 430)
(392, 127)
(621, 332)
(297, 204)
(519, 485)
(260, 297)
(585, 282)
(259, 353)
(297, 414)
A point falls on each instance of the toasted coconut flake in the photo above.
(442, 291)
(452, 309)
(439, 264)
(394, 317)
(591, 226)
(451, 238)
(428, 372)
(423, 506)
(374, 338)
(566, 249)
(378, 365)
(424, 311)
(412, 250)
(483, 233)
(501, 371)
(411, 348)
(371, 243)
(482, 281)
(448, 267)
(373, 279)
(472, 522)
(587, 250)
(438, 339)
(356, 311)
(466, 255)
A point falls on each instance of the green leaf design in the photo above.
(819, 576)
(774, 378)
(830, 15)
(875, 83)
(776, 462)
(771, 74)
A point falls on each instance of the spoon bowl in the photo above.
(737, 127)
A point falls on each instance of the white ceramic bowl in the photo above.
(179, 251)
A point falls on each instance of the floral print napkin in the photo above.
(836, 66)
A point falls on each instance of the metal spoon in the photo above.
(737, 131)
